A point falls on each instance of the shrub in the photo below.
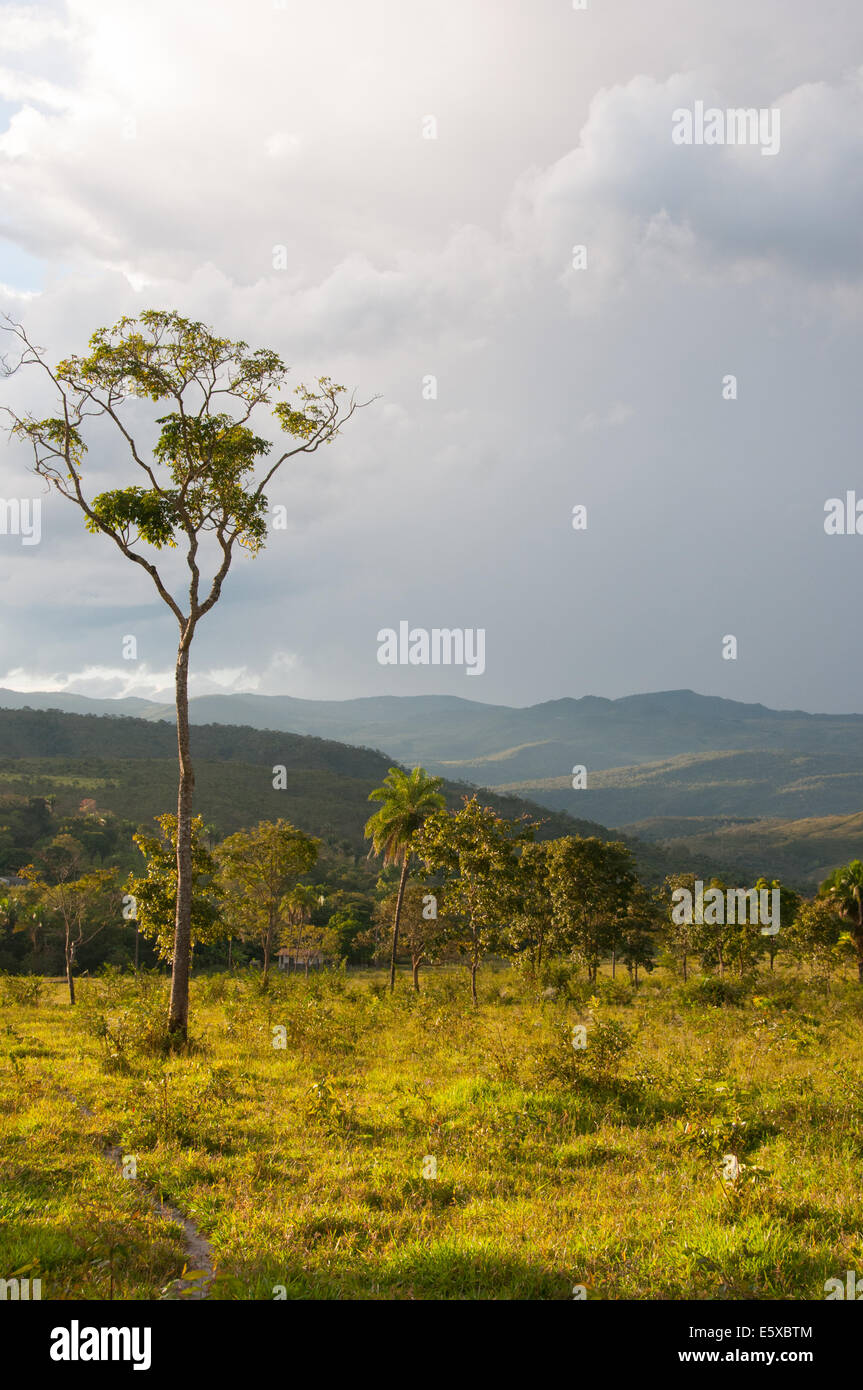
(607, 1043)
(214, 989)
(502, 991)
(138, 1027)
(21, 989)
(710, 989)
(616, 991)
(184, 1109)
(557, 974)
(327, 1106)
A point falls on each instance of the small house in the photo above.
(300, 958)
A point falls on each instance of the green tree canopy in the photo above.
(844, 890)
(258, 871)
(155, 892)
(475, 851)
(591, 882)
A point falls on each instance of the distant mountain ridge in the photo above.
(637, 727)
(787, 799)
(666, 753)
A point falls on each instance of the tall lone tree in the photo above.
(198, 485)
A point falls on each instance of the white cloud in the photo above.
(28, 27)
(626, 190)
(104, 682)
(16, 87)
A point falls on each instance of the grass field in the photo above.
(691, 1149)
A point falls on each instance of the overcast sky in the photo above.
(154, 155)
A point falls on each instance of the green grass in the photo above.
(303, 1165)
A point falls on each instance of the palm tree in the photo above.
(407, 799)
(844, 889)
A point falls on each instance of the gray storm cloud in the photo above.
(140, 172)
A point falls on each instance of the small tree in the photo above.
(259, 869)
(301, 935)
(591, 882)
(348, 929)
(82, 902)
(637, 931)
(408, 799)
(719, 942)
(680, 934)
(195, 488)
(155, 894)
(475, 851)
(22, 910)
(789, 907)
(423, 930)
(843, 889)
(529, 934)
(815, 936)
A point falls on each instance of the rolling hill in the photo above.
(683, 773)
(798, 851)
(128, 766)
(689, 746)
(734, 783)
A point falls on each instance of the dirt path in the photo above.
(199, 1252)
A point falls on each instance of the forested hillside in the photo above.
(127, 767)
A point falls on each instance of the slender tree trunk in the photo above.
(416, 972)
(178, 1015)
(402, 881)
(613, 961)
(473, 969)
(268, 946)
(70, 978)
(685, 958)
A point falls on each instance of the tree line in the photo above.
(455, 885)
(490, 887)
